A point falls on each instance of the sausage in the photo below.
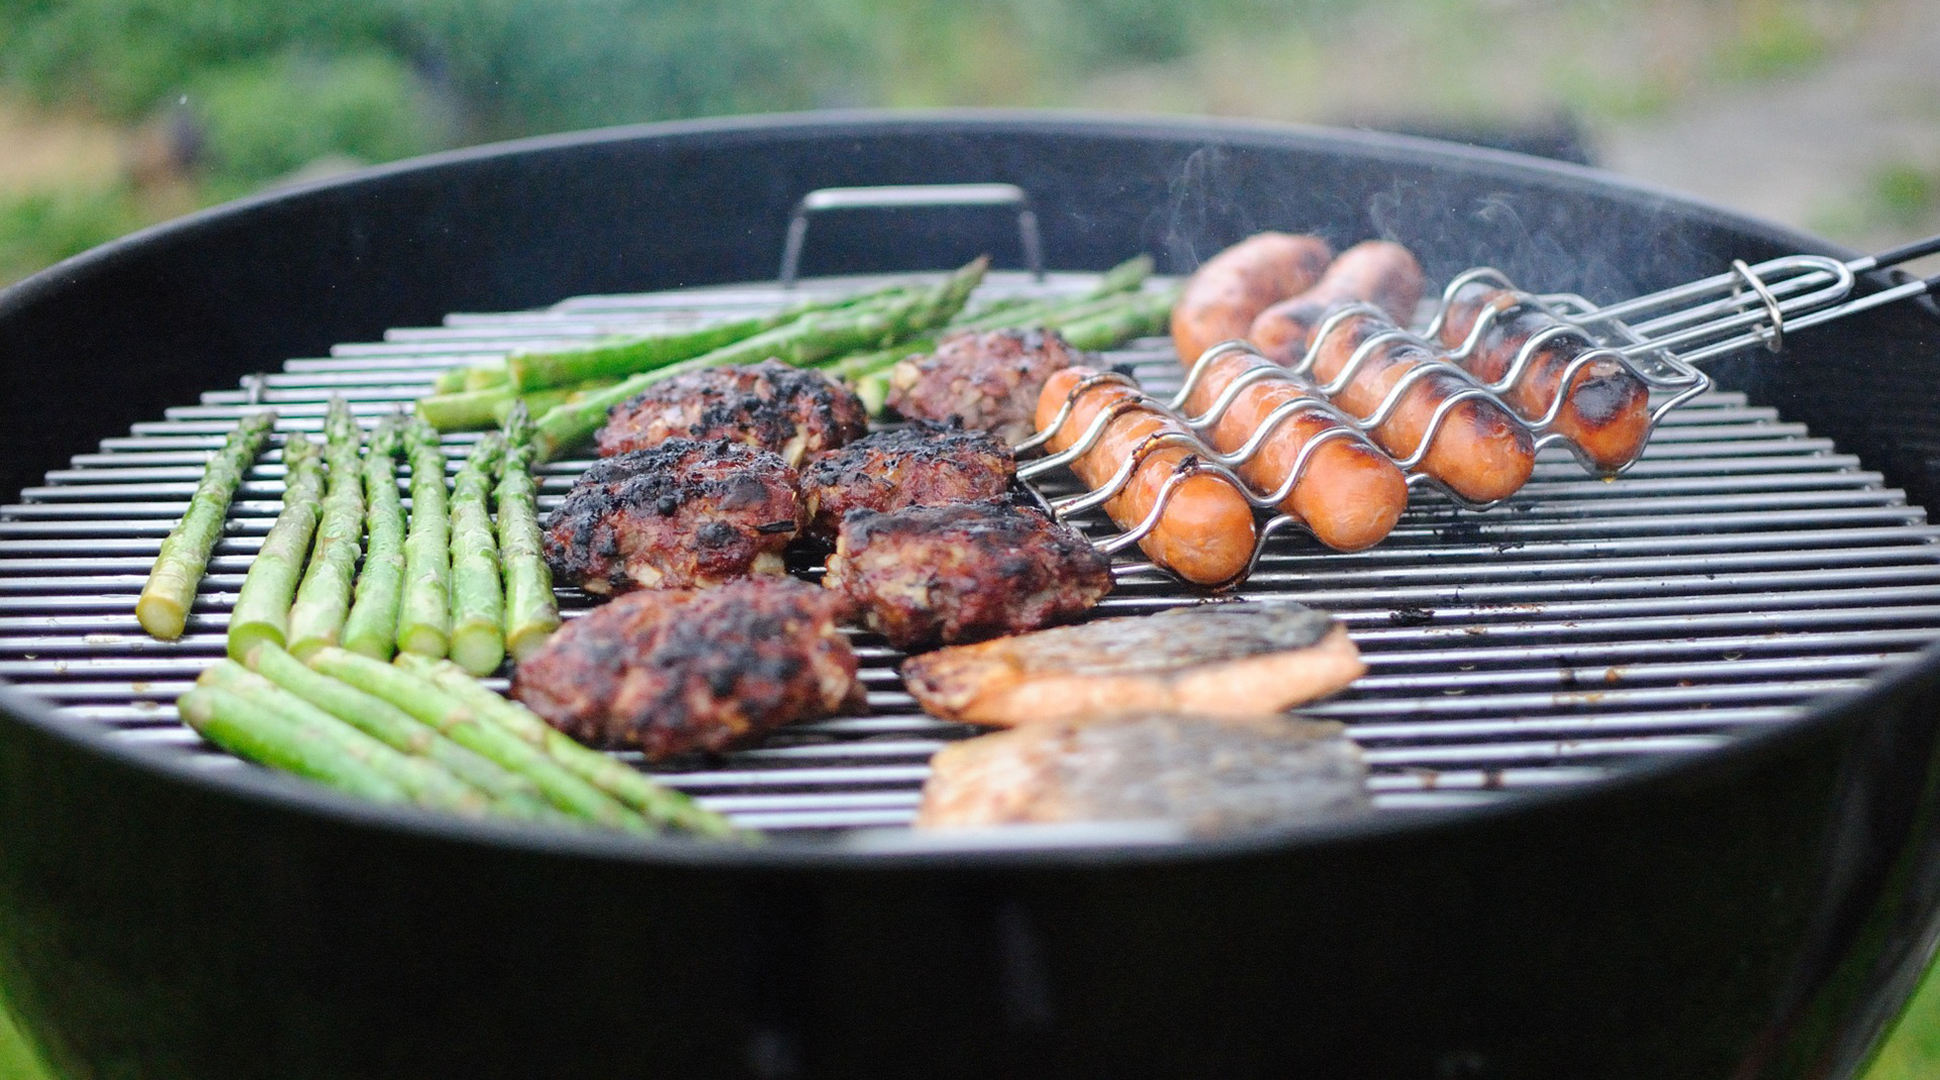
(1379, 271)
(1226, 292)
(1481, 451)
(1350, 496)
(1607, 410)
(1206, 533)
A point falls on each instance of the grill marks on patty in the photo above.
(785, 410)
(981, 381)
(673, 670)
(703, 656)
(924, 464)
(929, 575)
(681, 514)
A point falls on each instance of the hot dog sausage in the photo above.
(1350, 494)
(1205, 533)
(1378, 271)
(1228, 290)
(1480, 451)
(1607, 408)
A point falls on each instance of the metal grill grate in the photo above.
(1740, 569)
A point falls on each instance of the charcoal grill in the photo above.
(1653, 757)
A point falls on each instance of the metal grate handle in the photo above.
(912, 196)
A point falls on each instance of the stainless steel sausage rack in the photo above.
(1659, 338)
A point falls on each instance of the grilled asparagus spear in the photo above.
(371, 627)
(531, 611)
(262, 612)
(237, 725)
(424, 611)
(510, 793)
(660, 804)
(163, 608)
(423, 781)
(477, 595)
(463, 724)
(804, 341)
(323, 599)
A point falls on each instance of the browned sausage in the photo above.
(1607, 410)
(1481, 451)
(1383, 273)
(1350, 495)
(1206, 532)
(1226, 292)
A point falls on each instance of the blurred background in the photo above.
(1821, 114)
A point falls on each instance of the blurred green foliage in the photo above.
(241, 93)
(44, 226)
(508, 67)
(267, 118)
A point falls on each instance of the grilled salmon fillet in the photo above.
(1231, 659)
(1208, 774)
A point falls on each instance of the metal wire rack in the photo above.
(1658, 339)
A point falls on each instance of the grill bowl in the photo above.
(1756, 910)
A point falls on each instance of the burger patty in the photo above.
(682, 514)
(981, 381)
(673, 670)
(788, 411)
(924, 464)
(930, 575)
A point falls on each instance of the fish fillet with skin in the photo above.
(1208, 775)
(1230, 659)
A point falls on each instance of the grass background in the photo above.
(119, 113)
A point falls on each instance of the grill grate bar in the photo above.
(1740, 570)
(1808, 590)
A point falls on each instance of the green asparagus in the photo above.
(531, 611)
(661, 805)
(1146, 315)
(538, 401)
(856, 365)
(323, 599)
(465, 410)
(424, 611)
(464, 725)
(472, 377)
(240, 727)
(477, 595)
(1125, 277)
(481, 376)
(873, 390)
(812, 337)
(371, 627)
(163, 608)
(424, 781)
(511, 794)
(1112, 294)
(262, 611)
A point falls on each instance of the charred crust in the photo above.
(928, 463)
(681, 512)
(672, 671)
(987, 380)
(964, 572)
(768, 405)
